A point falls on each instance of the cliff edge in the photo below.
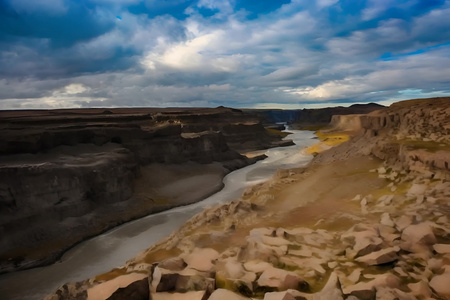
(71, 174)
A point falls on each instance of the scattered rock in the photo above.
(281, 280)
(379, 257)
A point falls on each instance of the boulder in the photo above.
(386, 220)
(279, 296)
(222, 294)
(280, 279)
(420, 288)
(173, 264)
(385, 293)
(418, 236)
(256, 266)
(194, 295)
(380, 257)
(331, 290)
(442, 248)
(417, 189)
(138, 290)
(403, 221)
(366, 290)
(441, 285)
(174, 282)
(106, 289)
(202, 259)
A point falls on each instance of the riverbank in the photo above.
(69, 175)
(367, 219)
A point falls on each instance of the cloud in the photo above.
(210, 53)
(55, 7)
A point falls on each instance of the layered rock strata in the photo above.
(354, 225)
(70, 174)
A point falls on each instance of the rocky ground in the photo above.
(368, 219)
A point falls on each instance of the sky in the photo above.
(235, 53)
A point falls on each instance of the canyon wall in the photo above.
(70, 174)
(414, 134)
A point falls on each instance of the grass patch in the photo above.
(429, 146)
(111, 274)
(327, 140)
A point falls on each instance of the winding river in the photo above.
(112, 248)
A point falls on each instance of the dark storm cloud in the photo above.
(61, 53)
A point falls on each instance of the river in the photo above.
(114, 247)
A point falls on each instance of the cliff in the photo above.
(413, 134)
(304, 118)
(70, 174)
(368, 219)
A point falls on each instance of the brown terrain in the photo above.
(71, 174)
(367, 219)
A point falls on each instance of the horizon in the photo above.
(59, 54)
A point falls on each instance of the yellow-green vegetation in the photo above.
(277, 132)
(428, 146)
(111, 274)
(327, 140)
(161, 254)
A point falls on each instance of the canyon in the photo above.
(71, 174)
(366, 219)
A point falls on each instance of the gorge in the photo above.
(366, 219)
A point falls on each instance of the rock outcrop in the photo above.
(86, 170)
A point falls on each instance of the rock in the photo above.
(403, 221)
(417, 189)
(386, 220)
(434, 264)
(381, 170)
(280, 279)
(202, 259)
(174, 282)
(256, 266)
(379, 257)
(279, 296)
(420, 288)
(331, 290)
(386, 199)
(222, 294)
(366, 290)
(384, 293)
(138, 290)
(354, 276)
(388, 233)
(173, 264)
(416, 237)
(194, 295)
(106, 289)
(441, 285)
(442, 248)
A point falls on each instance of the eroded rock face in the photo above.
(80, 168)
